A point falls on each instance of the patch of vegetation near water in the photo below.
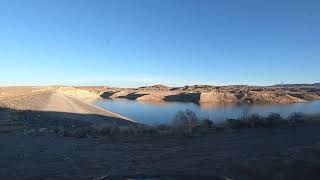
(184, 124)
(272, 120)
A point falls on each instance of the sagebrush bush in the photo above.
(205, 125)
(206, 122)
(103, 131)
(274, 119)
(83, 132)
(114, 130)
(296, 118)
(184, 122)
(236, 123)
(163, 127)
(255, 120)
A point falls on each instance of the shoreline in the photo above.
(87, 101)
(214, 94)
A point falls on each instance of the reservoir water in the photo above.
(162, 112)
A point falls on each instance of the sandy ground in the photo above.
(245, 154)
(62, 103)
(20, 91)
(64, 106)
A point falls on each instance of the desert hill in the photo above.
(281, 94)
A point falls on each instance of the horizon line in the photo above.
(155, 84)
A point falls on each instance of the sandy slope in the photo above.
(63, 106)
(59, 102)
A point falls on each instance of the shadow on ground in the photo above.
(184, 97)
(44, 119)
(107, 95)
(132, 96)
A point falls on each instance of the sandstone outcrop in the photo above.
(281, 94)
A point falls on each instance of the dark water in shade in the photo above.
(162, 112)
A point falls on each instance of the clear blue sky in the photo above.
(143, 42)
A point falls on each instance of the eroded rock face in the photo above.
(155, 96)
(219, 94)
(114, 94)
(107, 94)
(263, 97)
(312, 96)
(133, 96)
(157, 87)
(184, 97)
(217, 97)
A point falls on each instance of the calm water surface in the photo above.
(162, 112)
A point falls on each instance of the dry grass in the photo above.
(185, 123)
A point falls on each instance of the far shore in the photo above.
(205, 94)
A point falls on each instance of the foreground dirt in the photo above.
(277, 153)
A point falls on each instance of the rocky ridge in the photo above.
(279, 94)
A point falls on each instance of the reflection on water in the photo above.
(162, 112)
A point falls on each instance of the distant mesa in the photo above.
(155, 87)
